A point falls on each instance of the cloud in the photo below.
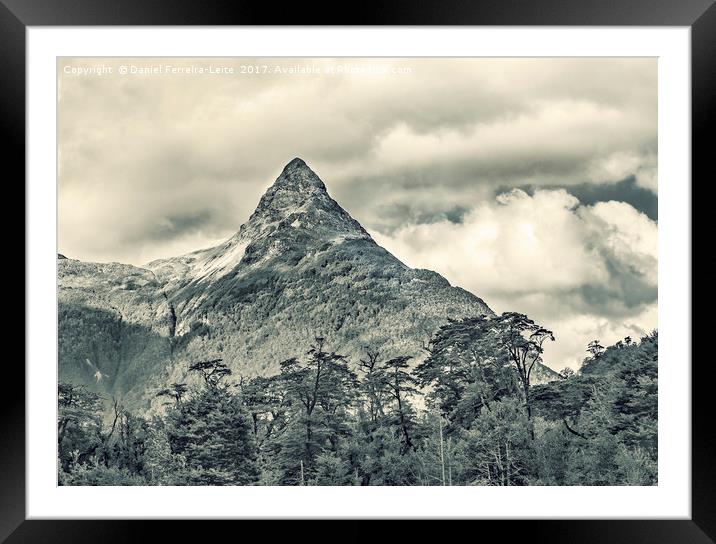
(626, 190)
(621, 165)
(139, 151)
(576, 331)
(577, 269)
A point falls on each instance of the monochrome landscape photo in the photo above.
(357, 271)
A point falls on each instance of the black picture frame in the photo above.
(699, 15)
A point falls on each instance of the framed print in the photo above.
(411, 266)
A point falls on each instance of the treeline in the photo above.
(469, 414)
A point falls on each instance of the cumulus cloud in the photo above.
(585, 271)
(621, 165)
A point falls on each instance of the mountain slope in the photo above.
(301, 266)
(114, 327)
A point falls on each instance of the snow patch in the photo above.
(341, 238)
(220, 261)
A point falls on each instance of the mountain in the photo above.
(301, 266)
(114, 326)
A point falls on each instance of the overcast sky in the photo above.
(530, 182)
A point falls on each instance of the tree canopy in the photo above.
(469, 412)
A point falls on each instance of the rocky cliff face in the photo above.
(301, 266)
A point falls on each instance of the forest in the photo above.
(468, 413)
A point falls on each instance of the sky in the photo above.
(530, 182)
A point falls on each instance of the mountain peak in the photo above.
(298, 199)
(297, 162)
(298, 176)
(295, 215)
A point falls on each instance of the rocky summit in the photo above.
(300, 267)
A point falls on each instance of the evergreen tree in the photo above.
(498, 448)
(400, 384)
(212, 432)
(372, 386)
(79, 424)
(320, 392)
(462, 374)
(521, 341)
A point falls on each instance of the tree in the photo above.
(435, 456)
(564, 401)
(400, 384)
(464, 370)
(498, 449)
(476, 361)
(161, 465)
(608, 413)
(212, 432)
(212, 371)
(320, 391)
(124, 445)
(79, 424)
(176, 392)
(522, 340)
(372, 385)
(76, 406)
(380, 458)
(380, 448)
(596, 349)
(331, 469)
(265, 401)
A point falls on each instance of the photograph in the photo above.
(357, 271)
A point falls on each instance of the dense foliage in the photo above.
(468, 414)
